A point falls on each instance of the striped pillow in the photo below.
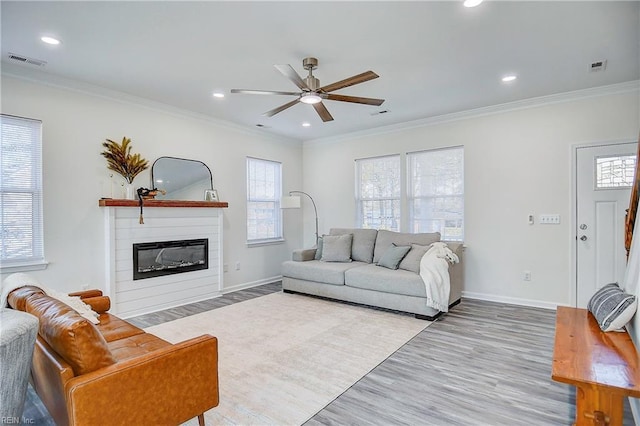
(612, 307)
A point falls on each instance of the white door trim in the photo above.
(574, 208)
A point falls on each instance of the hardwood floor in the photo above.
(481, 364)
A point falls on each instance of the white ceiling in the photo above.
(433, 58)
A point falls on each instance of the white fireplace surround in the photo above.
(122, 230)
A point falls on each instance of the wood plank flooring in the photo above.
(481, 364)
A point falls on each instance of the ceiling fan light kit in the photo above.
(310, 98)
(311, 93)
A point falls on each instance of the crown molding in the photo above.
(35, 76)
(613, 89)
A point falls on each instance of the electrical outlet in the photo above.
(225, 268)
(526, 275)
(237, 266)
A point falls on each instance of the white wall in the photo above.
(516, 162)
(74, 126)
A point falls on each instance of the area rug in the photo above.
(284, 357)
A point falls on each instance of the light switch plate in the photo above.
(549, 219)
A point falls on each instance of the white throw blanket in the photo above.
(18, 280)
(434, 271)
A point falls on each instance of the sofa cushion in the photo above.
(386, 238)
(392, 257)
(363, 242)
(135, 346)
(73, 337)
(17, 299)
(411, 262)
(316, 270)
(113, 328)
(336, 248)
(377, 278)
(318, 254)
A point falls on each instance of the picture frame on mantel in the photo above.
(211, 195)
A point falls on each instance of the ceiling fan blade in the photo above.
(281, 108)
(323, 112)
(356, 79)
(354, 99)
(291, 74)
(263, 92)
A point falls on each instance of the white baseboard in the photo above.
(251, 284)
(510, 300)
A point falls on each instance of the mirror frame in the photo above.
(183, 159)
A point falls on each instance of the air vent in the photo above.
(26, 60)
(598, 66)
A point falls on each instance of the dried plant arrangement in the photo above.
(121, 161)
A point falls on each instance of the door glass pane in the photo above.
(615, 172)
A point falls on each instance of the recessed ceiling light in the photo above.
(218, 95)
(305, 124)
(508, 78)
(471, 3)
(50, 40)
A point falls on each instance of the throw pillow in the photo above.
(612, 307)
(392, 257)
(336, 248)
(363, 242)
(318, 255)
(385, 238)
(411, 261)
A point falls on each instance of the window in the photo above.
(436, 192)
(378, 192)
(21, 245)
(615, 172)
(264, 190)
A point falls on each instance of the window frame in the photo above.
(411, 197)
(36, 260)
(278, 236)
(360, 199)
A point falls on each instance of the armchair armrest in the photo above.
(303, 255)
(86, 293)
(99, 304)
(167, 386)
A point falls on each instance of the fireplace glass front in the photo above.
(169, 257)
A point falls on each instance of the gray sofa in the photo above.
(360, 280)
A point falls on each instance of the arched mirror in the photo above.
(181, 178)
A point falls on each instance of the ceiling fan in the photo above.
(311, 92)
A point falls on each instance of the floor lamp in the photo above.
(293, 202)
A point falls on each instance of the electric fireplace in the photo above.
(169, 257)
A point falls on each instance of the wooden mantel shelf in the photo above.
(112, 202)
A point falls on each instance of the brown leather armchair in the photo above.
(114, 373)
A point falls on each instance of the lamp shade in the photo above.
(290, 202)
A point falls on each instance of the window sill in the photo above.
(265, 242)
(24, 267)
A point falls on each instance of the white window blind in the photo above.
(436, 192)
(264, 191)
(378, 188)
(21, 245)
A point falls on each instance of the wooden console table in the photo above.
(604, 367)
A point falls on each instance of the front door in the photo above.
(604, 176)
